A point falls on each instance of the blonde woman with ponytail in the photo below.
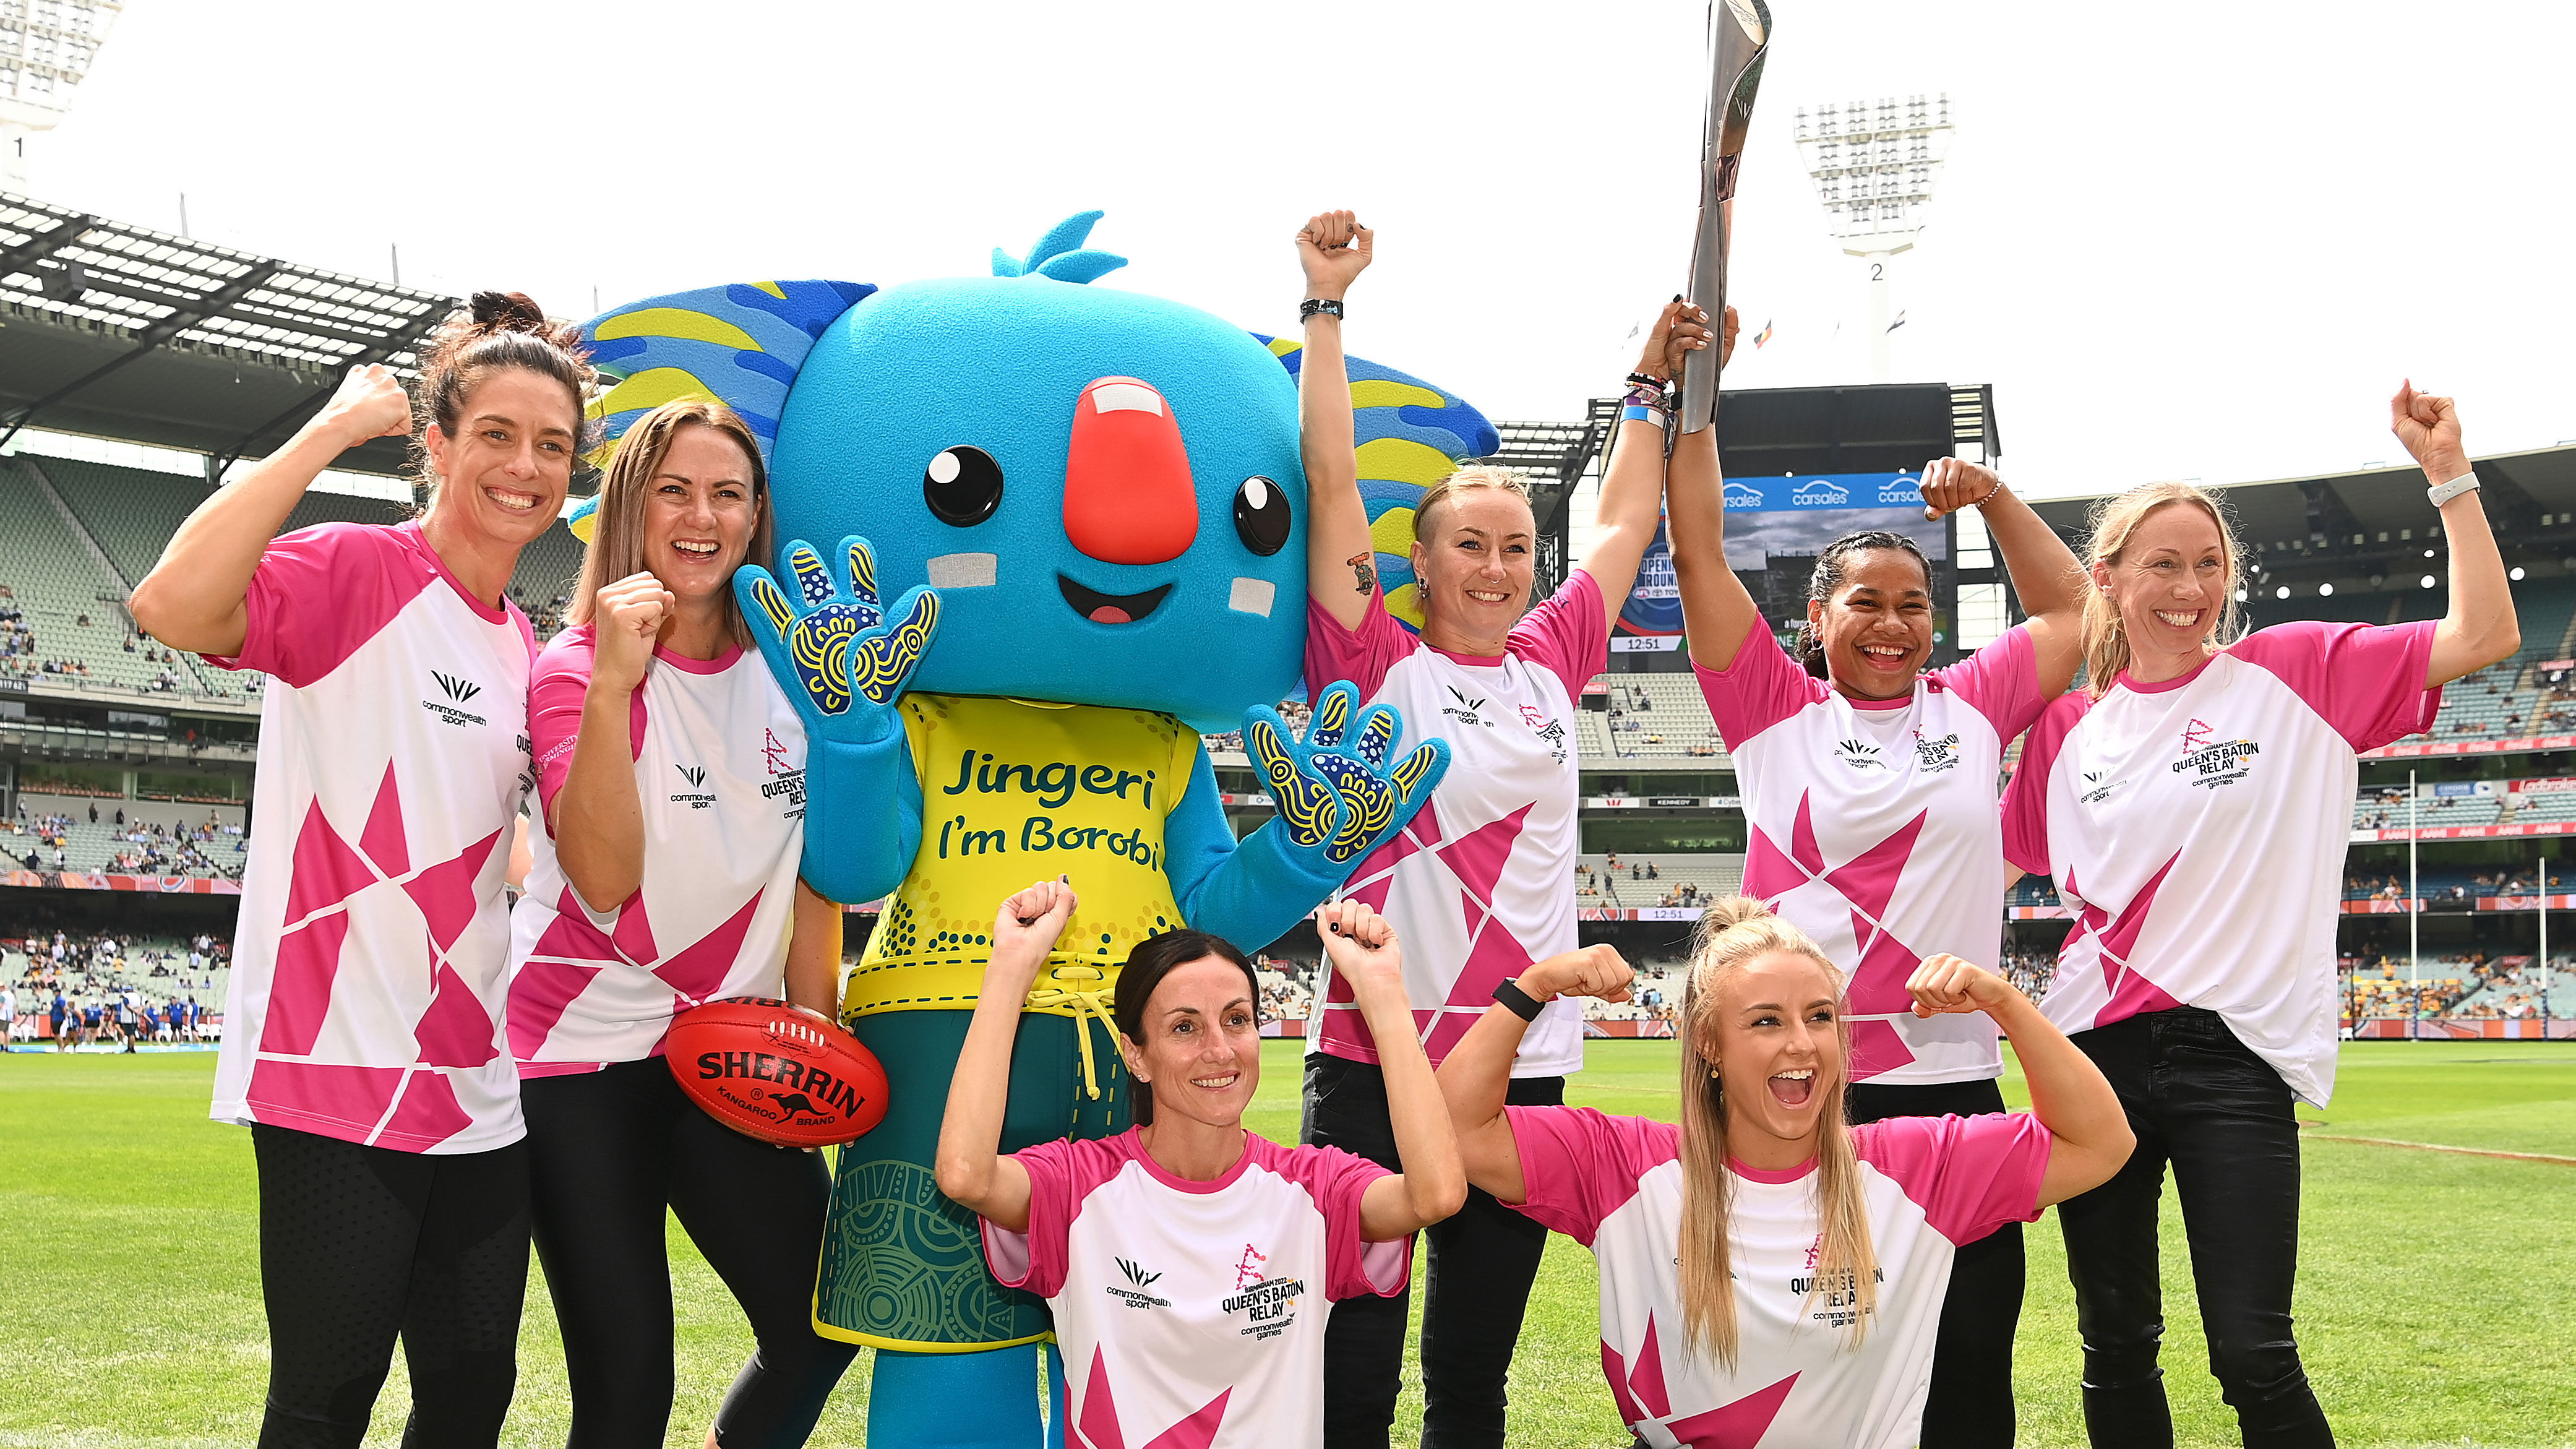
(2192, 803)
(1764, 1264)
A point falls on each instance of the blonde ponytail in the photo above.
(1733, 932)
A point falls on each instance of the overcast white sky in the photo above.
(2182, 241)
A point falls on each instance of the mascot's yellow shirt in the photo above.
(1013, 793)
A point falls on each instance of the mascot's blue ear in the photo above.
(739, 345)
(1411, 434)
(1061, 255)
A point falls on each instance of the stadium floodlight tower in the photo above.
(1874, 164)
(46, 48)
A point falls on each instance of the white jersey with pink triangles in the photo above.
(2196, 830)
(720, 769)
(1481, 882)
(1191, 1314)
(1614, 1184)
(1873, 828)
(368, 965)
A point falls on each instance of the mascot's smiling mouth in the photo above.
(1102, 608)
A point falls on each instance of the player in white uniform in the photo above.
(2193, 805)
(1768, 1273)
(1192, 1267)
(362, 1037)
(1482, 881)
(1870, 791)
(670, 780)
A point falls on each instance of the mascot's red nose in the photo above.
(1127, 493)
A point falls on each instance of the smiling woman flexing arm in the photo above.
(1497, 675)
(1239, 1251)
(362, 1028)
(2192, 803)
(1877, 780)
(664, 875)
(1763, 1262)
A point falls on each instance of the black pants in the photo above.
(612, 1150)
(1971, 1404)
(1471, 1311)
(2199, 1098)
(359, 1246)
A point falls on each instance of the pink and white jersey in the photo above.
(1192, 1313)
(393, 752)
(1481, 882)
(720, 768)
(1873, 828)
(2196, 829)
(1614, 1184)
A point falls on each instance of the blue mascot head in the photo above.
(1103, 486)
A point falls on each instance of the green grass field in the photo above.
(2437, 1298)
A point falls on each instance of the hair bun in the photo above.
(1727, 912)
(508, 312)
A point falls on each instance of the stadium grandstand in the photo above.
(138, 370)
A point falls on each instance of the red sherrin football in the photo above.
(775, 1071)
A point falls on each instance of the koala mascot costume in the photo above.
(1091, 506)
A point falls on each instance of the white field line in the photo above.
(2439, 1147)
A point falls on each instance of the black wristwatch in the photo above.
(1523, 1005)
(1312, 305)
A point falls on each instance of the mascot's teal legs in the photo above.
(1056, 1392)
(983, 1400)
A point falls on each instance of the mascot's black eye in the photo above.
(1261, 515)
(963, 485)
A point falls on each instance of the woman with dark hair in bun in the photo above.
(363, 1045)
(1870, 787)
(1191, 1266)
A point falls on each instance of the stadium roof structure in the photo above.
(125, 332)
(2371, 520)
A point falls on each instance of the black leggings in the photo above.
(2202, 1100)
(1475, 1289)
(1971, 1404)
(361, 1245)
(612, 1149)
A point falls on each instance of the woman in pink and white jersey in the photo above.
(362, 1030)
(1482, 881)
(1870, 788)
(670, 780)
(2193, 803)
(1768, 1273)
(1191, 1266)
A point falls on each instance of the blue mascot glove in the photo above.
(842, 664)
(1340, 793)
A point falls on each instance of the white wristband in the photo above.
(2465, 483)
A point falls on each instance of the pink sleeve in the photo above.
(1061, 1174)
(1761, 688)
(1354, 1267)
(556, 689)
(1568, 634)
(1578, 1166)
(1970, 1175)
(2025, 803)
(2366, 680)
(318, 594)
(2001, 682)
(1362, 655)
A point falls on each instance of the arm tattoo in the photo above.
(1363, 572)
